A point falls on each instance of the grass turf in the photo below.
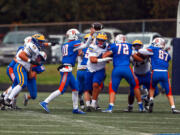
(52, 76)
(32, 120)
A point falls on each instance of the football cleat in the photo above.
(88, 109)
(98, 107)
(45, 106)
(174, 111)
(109, 109)
(151, 104)
(2, 98)
(25, 102)
(7, 102)
(3, 108)
(146, 104)
(77, 111)
(141, 108)
(128, 109)
(82, 104)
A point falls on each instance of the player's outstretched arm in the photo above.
(145, 51)
(82, 46)
(107, 54)
(138, 57)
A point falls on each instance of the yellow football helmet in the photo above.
(87, 36)
(101, 39)
(101, 36)
(137, 42)
(39, 37)
(38, 40)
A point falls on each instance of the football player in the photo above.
(121, 51)
(25, 58)
(95, 69)
(81, 71)
(31, 84)
(159, 61)
(142, 70)
(70, 52)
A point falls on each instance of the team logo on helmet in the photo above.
(101, 39)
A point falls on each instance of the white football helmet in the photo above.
(43, 55)
(159, 42)
(27, 40)
(120, 38)
(72, 34)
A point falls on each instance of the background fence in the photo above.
(165, 27)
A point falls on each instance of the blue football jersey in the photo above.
(69, 56)
(121, 54)
(160, 58)
(85, 56)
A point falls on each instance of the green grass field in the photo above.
(32, 119)
(52, 76)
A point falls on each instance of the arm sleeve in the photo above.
(146, 51)
(82, 45)
(104, 59)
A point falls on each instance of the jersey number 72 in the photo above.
(123, 47)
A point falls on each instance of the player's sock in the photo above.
(93, 104)
(140, 106)
(52, 96)
(75, 99)
(130, 105)
(9, 90)
(15, 91)
(87, 103)
(151, 98)
(173, 107)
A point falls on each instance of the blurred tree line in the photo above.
(31, 11)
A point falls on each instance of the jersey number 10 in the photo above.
(65, 50)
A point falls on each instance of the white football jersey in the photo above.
(141, 68)
(32, 52)
(96, 51)
(79, 66)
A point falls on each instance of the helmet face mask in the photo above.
(101, 43)
(72, 34)
(137, 44)
(159, 42)
(101, 39)
(38, 40)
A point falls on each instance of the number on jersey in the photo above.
(87, 54)
(123, 47)
(163, 55)
(65, 50)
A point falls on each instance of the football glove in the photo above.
(54, 43)
(60, 67)
(34, 62)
